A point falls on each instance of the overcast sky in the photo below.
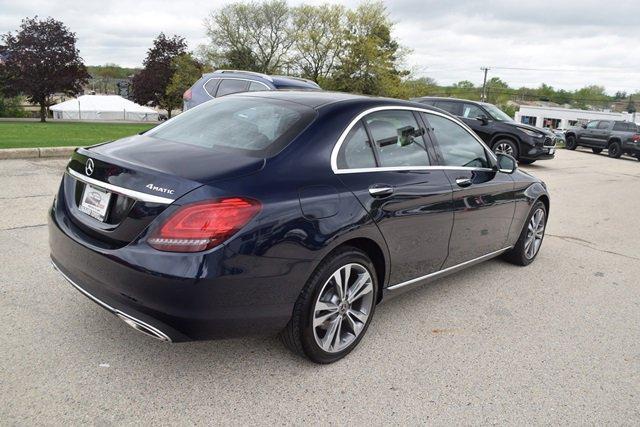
(570, 43)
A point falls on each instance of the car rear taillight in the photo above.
(187, 95)
(203, 225)
(636, 138)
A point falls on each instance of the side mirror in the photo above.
(584, 126)
(506, 163)
(484, 119)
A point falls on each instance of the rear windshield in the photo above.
(258, 127)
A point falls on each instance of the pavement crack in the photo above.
(22, 227)
(588, 244)
(25, 197)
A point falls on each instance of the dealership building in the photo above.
(564, 118)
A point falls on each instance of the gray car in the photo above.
(226, 82)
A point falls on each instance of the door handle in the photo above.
(463, 182)
(380, 191)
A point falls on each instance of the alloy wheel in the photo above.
(343, 307)
(503, 148)
(535, 233)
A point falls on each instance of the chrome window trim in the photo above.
(143, 197)
(204, 86)
(449, 269)
(338, 145)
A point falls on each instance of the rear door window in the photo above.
(397, 138)
(450, 107)
(229, 86)
(256, 87)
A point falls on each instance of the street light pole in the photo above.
(484, 83)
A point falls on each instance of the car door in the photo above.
(483, 198)
(600, 135)
(410, 202)
(586, 135)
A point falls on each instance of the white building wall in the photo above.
(568, 114)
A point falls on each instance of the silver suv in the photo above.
(225, 82)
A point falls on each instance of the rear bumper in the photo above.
(632, 149)
(177, 297)
(130, 317)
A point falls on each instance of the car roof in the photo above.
(318, 99)
(277, 81)
(443, 98)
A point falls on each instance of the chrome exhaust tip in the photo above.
(145, 328)
(136, 324)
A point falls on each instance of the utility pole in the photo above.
(484, 83)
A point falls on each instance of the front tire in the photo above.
(531, 236)
(335, 307)
(596, 150)
(506, 146)
(571, 142)
(615, 150)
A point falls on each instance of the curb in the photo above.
(34, 153)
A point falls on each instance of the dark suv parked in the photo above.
(617, 137)
(498, 130)
(226, 82)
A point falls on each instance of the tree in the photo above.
(256, 35)
(186, 71)
(497, 91)
(591, 95)
(41, 60)
(370, 63)
(422, 86)
(318, 39)
(150, 84)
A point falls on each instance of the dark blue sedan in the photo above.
(289, 212)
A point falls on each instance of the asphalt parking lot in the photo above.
(555, 342)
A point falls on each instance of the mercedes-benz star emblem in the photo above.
(88, 167)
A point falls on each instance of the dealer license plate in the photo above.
(552, 150)
(95, 202)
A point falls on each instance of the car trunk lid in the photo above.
(143, 177)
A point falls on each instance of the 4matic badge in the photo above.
(160, 189)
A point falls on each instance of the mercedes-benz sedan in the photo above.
(289, 212)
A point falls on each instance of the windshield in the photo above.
(254, 126)
(496, 113)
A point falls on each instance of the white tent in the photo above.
(103, 107)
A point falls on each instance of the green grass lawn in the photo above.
(57, 134)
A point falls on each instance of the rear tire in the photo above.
(571, 142)
(530, 241)
(615, 150)
(596, 150)
(329, 321)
